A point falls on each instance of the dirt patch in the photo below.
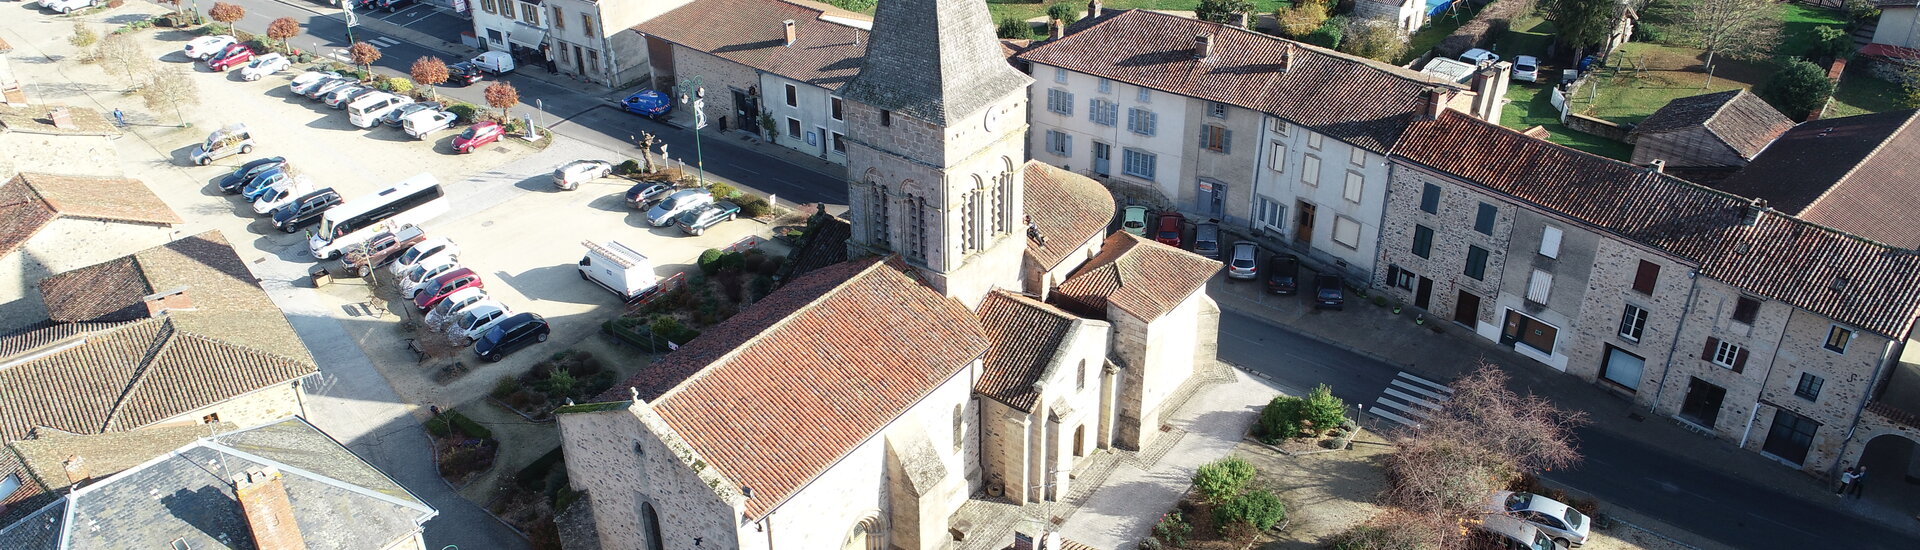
(1326, 493)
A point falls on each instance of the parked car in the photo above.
(477, 320)
(1514, 534)
(1564, 524)
(70, 6)
(1283, 274)
(362, 5)
(619, 268)
(648, 103)
(642, 195)
(246, 172)
(1526, 67)
(234, 56)
(477, 135)
(305, 210)
(678, 203)
(202, 47)
(513, 333)
(425, 251)
(308, 80)
(342, 93)
(1243, 263)
(1329, 292)
(1206, 239)
(447, 284)
(696, 222)
(1167, 229)
(232, 140)
(570, 175)
(383, 247)
(497, 63)
(1479, 56)
(421, 124)
(393, 117)
(392, 5)
(1134, 220)
(266, 181)
(264, 65)
(349, 98)
(453, 304)
(328, 86)
(367, 111)
(280, 195)
(423, 273)
(462, 74)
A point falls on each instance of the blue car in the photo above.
(261, 183)
(648, 103)
(246, 172)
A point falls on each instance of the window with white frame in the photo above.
(1143, 95)
(1106, 86)
(1216, 109)
(1726, 354)
(1357, 156)
(1137, 163)
(1060, 101)
(1837, 339)
(1356, 187)
(1310, 170)
(1401, 278)
(1060, 144)
(1346, 232)
(1142, 121)
(1269, 212)
(1103, 112)
(1276, 125)
(1279, 161)
(1550, 242)
(530, 13)
(1633, 323)
(1314, 140)
(1060, 75)
(1539, 286)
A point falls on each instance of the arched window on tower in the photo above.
(916, 238)
(1002, 219)
(970, 222)
(881, 217)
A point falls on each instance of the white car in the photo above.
(264, 65)
(425, 251)
(682, 201)
(1527, 68)
(69, 6)
(281, 194)
(420, 124)
(454, 304)
(1565, 525)
(1518, 534)
(569, 176)
(200, 48)
(422, 274)
(1479, 57)
(479, 319)
(308, 79)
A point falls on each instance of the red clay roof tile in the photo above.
(1141, 277)
(1024, 334)
(1065, 208)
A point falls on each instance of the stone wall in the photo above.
(1609, 291)
(720, 77)
(626, 460)
(1692, 147)
(1157, 358)
(1453, 234)
(1597, 127)
(251, 409)
(1040, 282)
(1846, 378)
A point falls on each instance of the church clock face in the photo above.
(993, 120)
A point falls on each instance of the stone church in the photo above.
(986, 334)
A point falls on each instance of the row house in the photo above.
(1713, 309)
(586, 39)
(771, 68)
(1279, 140)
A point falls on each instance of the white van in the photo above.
(366, 112)
(225, 142)
(619, 268)
(426, 122)
(493, 62)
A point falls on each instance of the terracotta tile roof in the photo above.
(34, 119)
(1065, 208)
(749, 32)
(1742, 120)
(104, 292)
(1360, 101)
(1855, 174)
(31, 495)
(826, 245)
(778, 393)
(30, 201)
(1841, 276)
(1024, 334)
(1141, 277)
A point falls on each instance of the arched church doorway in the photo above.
(1080, 440)
(652, 521)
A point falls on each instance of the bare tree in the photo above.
(364, 55)
(121, 54)
(1375, 39)
(428, 71)
(646, 151)
(283, 29)
(502, 96)
(1302, 18)
(226, 13)
(1740, 29)
(170, 87)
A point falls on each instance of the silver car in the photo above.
(1243, 264)
(1567, 526)
(682, 201)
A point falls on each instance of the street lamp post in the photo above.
(691, 93)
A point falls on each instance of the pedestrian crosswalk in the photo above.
(1409, 399)
(382, 42)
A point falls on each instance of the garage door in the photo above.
(1623, 368)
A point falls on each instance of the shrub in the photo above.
(561, 383)
(1011, 27)
(468, 426)
(83, 35)
(628, 166)
(438, 426)
(1173, 529)
(399, 85)
(1065, 12)
(505, 387)
(722, 191)
(1323, 409)
(1831, 41)
(1387, 535)
(731, 261)
(1798, 89)
(1258, 508)
(1280, 419)
(1221, 11)
(1222, 480)
(464, 112)
(1300, 20)
(762, 285)
(1329, 33)
(710, 261)
(754, 206)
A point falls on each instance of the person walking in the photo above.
(1859, 480)
(1846, 482)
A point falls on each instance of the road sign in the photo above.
(351, 19)
(699, 113)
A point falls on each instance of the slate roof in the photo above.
(1741, 120)
(749, 32)
(1065, 208)
(775, 395)
(1356, 100)
(1855, 174)
(30, 201)
(1024, 335)
(187, 494)
(1141, 277)
(1850, 279)
(938, 62)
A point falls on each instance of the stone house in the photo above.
(777, 61)
(861, 404)
(589, 38)
(1851, 173)
(179, 334)
(283, 484)
(1718, 130)
(1617, 274)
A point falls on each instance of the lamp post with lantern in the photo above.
(692, 93)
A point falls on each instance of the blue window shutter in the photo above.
(1226, 141)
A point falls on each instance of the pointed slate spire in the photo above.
(934, 60)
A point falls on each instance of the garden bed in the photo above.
(1225, 510)
(462, 448)
(567, 376)
(726, 283)
(531, 498)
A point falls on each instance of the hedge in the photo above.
(439, 425)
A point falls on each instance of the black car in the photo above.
(1328, 293)
(518, 331)
(1283, 274)
(240, 176)
(304, 210)
(642, 195)
(462, 74)
(392, 5)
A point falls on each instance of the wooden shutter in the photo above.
(1740, 360)
(1712, 343)
(1649, 274)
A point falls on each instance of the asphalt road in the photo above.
(1620, 472)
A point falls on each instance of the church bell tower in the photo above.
(936, 131)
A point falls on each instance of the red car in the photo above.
(1168, 230)
(234, 56)
(453, 281)
(477, 135)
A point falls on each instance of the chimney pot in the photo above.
(1657, 166)
(62, 118)
(1202, 46)
(176, 299)
(1056, 28)
(1240, 20)
(1437, 98)
(1093, 9)
(76, 469)
(791, 34)
(263, 500)
(1754, 209)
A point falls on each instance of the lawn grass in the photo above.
(1436, 30)
(1641, 78)
(1796, 34)
(1029, 9)
(1861, 93)
(1529, 105)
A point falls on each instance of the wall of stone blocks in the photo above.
(1040, 280)
(719, 76)
(250, 409)
(1846, 378)
(1609, 291)
(622, 460)
(1158, 359)
(1710, 314)
(1453, 234)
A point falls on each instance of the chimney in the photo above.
(263, 499)
(1093, 9)
(171, 300)
(1056, 29)
(1437, 98)
(1286, 57)
(1657, 166)
(1753, 212)
(788, 24)
(77, 471)
(1202, 46)
(62, 119)
(1240, 20)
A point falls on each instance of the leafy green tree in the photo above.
(1301, 19)
(1011, 27)
(1221, 11)
(1323, 409)
(1065, 12)
(1580, 23)
(1223, 479)
(1798, 89)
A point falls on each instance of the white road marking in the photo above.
(1429, 383)
(1397, 419)
(1396, 405)
(1411, 399)
(1425, 393)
